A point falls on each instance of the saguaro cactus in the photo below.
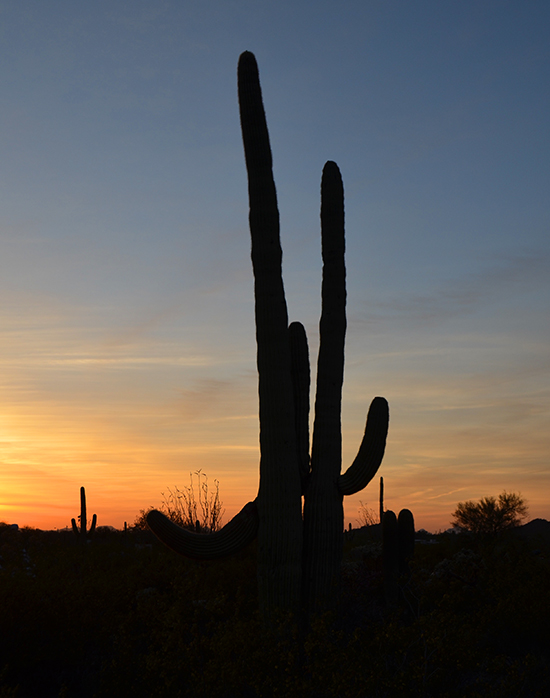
(298, 558)
(390, 557)
(397, 549)
(83, 533)
(406, 534)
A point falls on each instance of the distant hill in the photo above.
(536, 527)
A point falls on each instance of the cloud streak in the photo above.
(497, 283)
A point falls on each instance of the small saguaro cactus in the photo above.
(406, 535)
(381, 499)
(390, 557)
(82, 533)
(397, 550)
(299, 551)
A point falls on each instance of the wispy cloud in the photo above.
(447, 494)
(510, 276)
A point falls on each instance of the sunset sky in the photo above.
(127, 347)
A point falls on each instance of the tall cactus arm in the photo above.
(301, 380)
(279, 496)
(323, 510)
(371, 451)
(327, 431)
(235, 535)
(273, 350)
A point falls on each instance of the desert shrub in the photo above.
(490, 515)
(366, 515)
(196, 508)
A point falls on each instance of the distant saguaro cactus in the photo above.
(381, 499)
(397, 549)
(298, 558)
(406, 535)
(390, 557)
(82, 533)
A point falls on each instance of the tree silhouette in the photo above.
(490, 515)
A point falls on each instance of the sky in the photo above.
(127, 340)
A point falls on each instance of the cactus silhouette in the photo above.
(299, 555)
(381, 500)
(82, 533)
(405, 534)
(390, 557)
(397, 550)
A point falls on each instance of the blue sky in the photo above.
(127, 357)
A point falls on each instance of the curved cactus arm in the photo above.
(234, 536)
(299, 355)
(371, 451)
(94, 522)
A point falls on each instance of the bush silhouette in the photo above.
(196, 508)
(490, 515)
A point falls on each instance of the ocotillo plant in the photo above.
(298, 558)
(83, 533)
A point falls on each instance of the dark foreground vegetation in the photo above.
(123, 615)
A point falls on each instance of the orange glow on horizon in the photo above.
(126, 431)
